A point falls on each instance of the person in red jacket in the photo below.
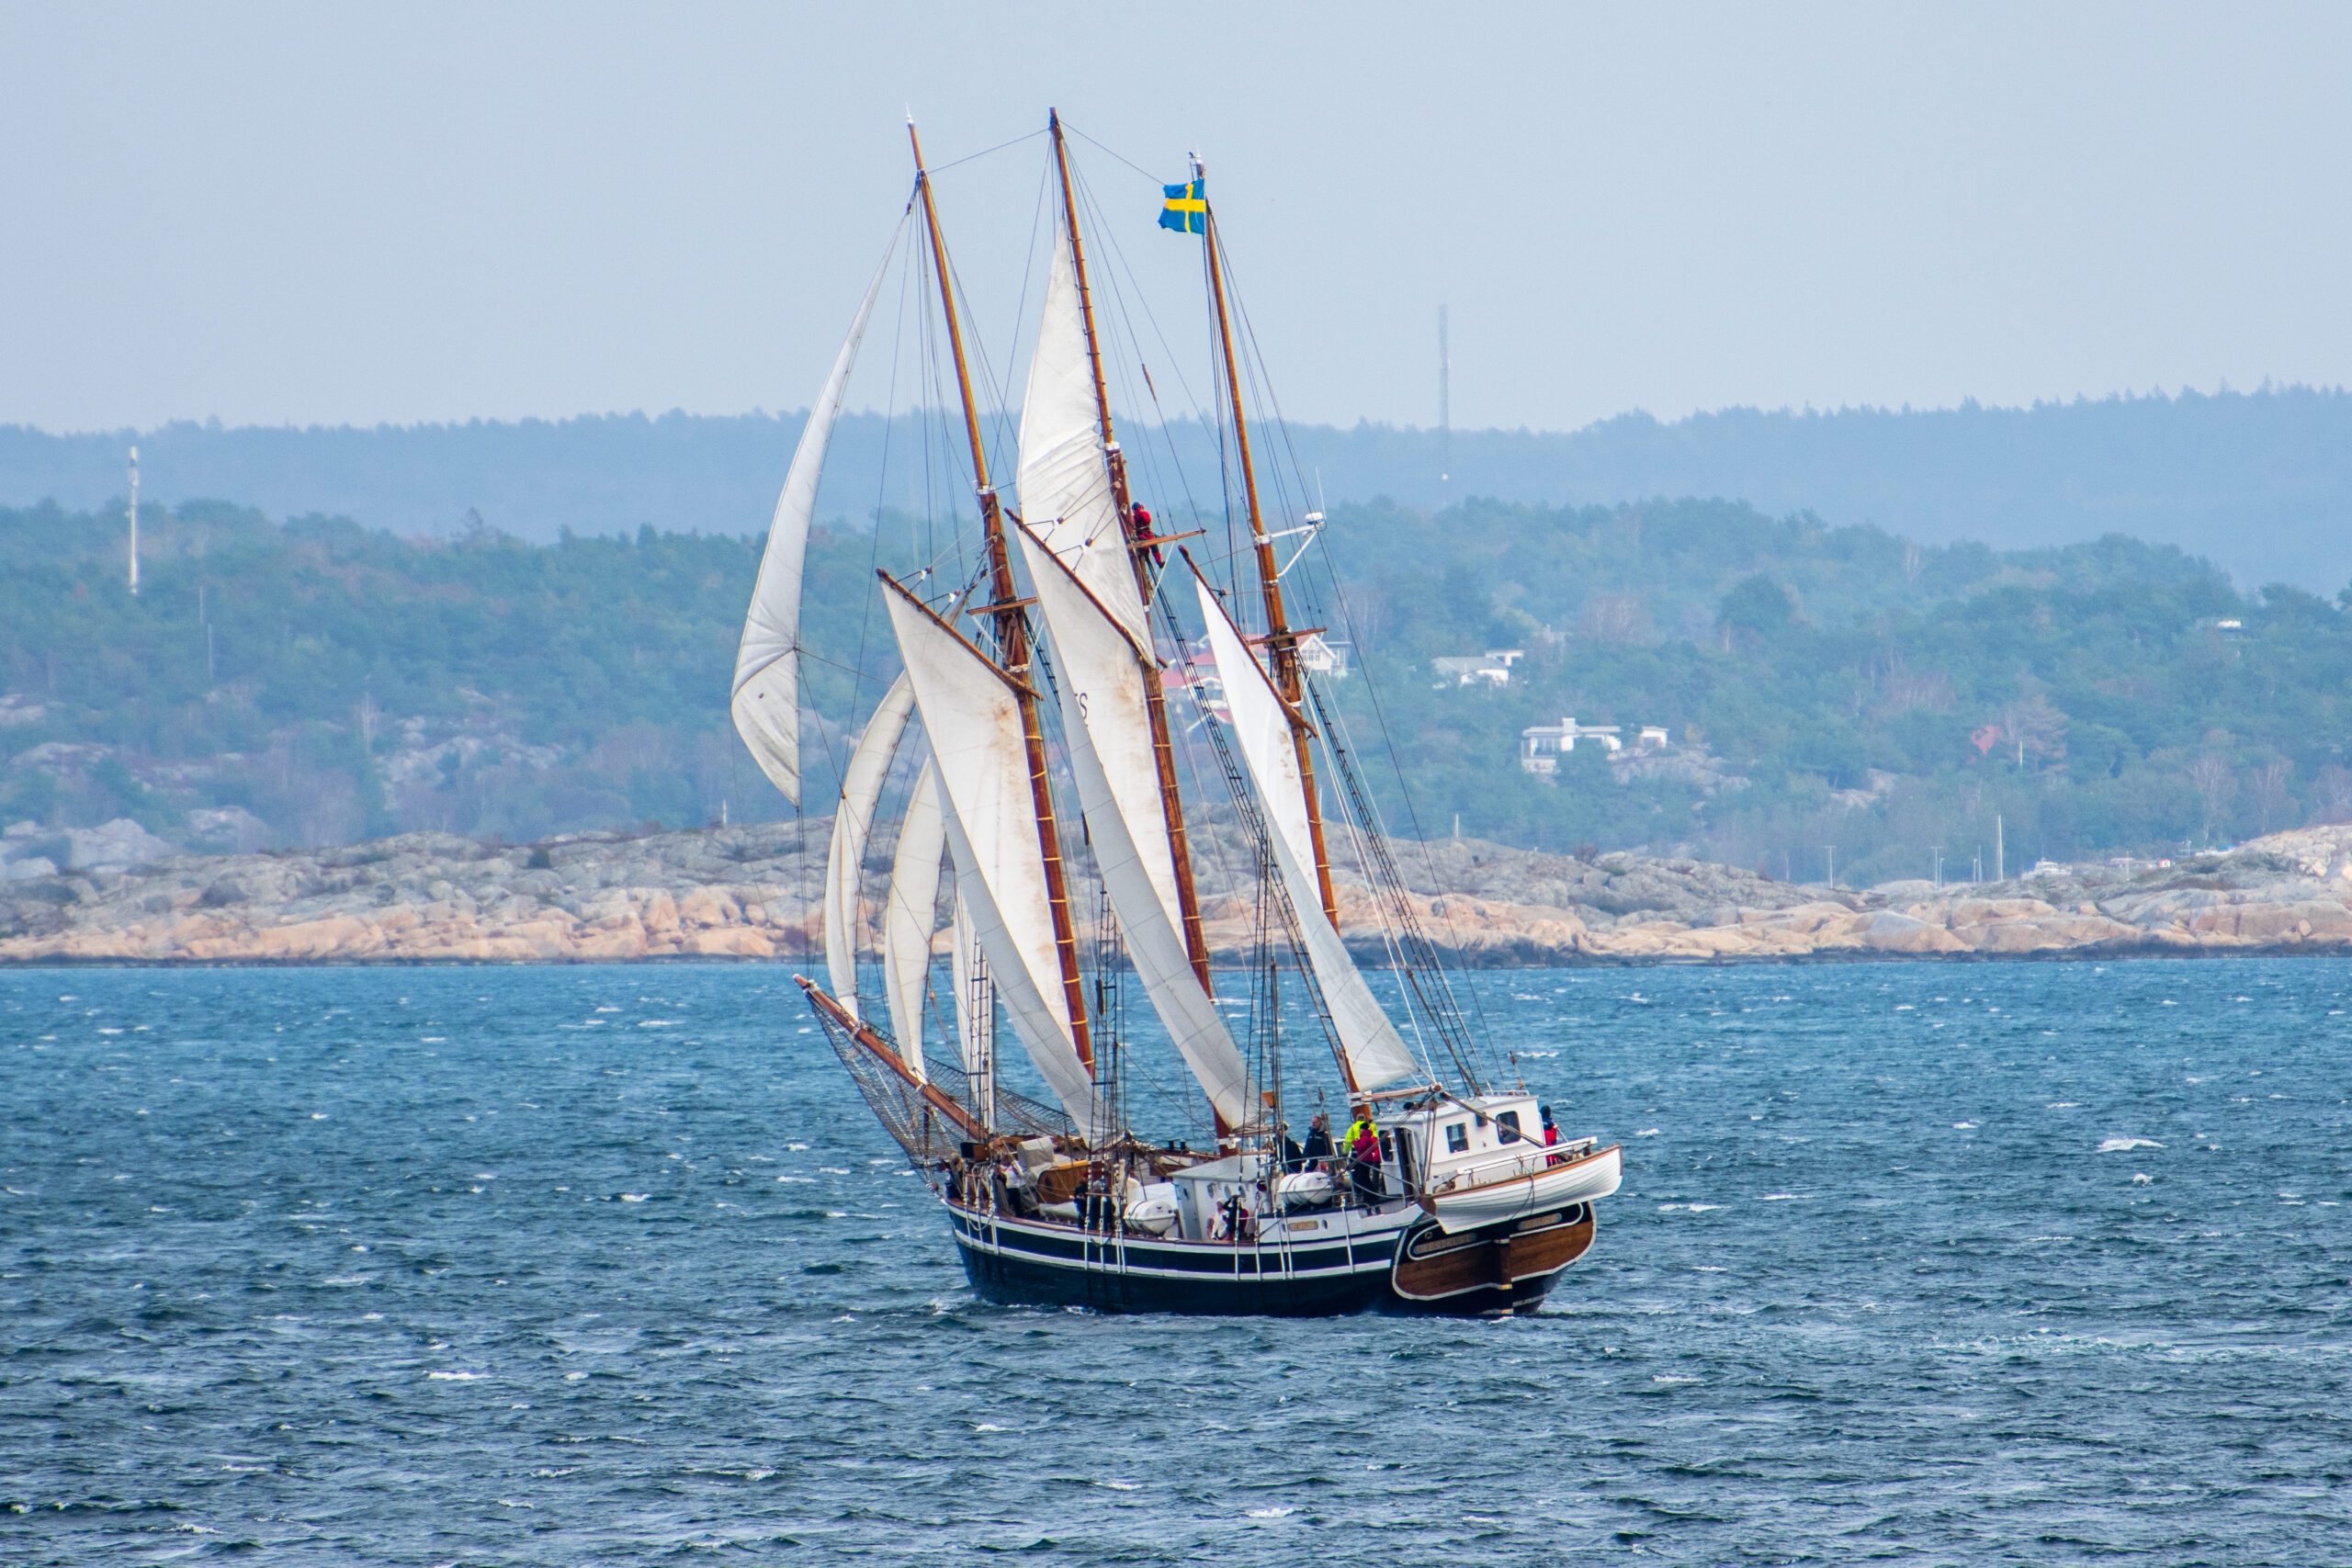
(1144, 534)
(1363, 1159)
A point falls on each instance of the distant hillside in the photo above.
(316, 681)
(2260, 483)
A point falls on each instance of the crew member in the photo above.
(1364, 1157)
(1144, 534)
(1318, 1138)
(1293, 1157)
(1551, 1136)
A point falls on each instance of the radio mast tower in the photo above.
(1444, 405)
(134, 522)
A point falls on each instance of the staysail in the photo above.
(1377, 1052)
(908, 916)
(1100, 680)
(973, 719)
(852, 821)
(765, 697)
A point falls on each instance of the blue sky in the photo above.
(308, 214)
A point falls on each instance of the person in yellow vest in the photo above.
(1364, 1157)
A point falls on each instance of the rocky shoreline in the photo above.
(746, 893)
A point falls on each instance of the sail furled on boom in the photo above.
(973, 718)
(1100, 681)
(869, 764)
(1261, 724)
(765, 696)
(909, 914)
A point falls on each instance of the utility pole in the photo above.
(134, 522)
(2000, 854)
(1444, 403)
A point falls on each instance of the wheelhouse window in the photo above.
(1457, 1137)
(1507, 1126)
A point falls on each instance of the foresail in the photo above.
(1377, 1052)
(975, 1013)
(907, 915)
(869, 763)
(1261, 724)
(974, 723)
(765, 696)
(1100, 680)
(1065, 476)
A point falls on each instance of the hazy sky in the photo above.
(329, 214)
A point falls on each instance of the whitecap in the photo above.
(2062, 1105)
(988, 1426)
(1667, 1376)
(634, 1196)
(455, 1377)
(1647, 1133)
(2118, 1146)
(1124, 1485)
(1271, 1513)
(657, 1022)
(1782, 1197)
(1702, 1208)
(1963, 1126)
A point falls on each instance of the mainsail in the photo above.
(846, 862)
(1102, 686)
(1377, 1052)
(908, 915)
(765, 699)
(973, 718)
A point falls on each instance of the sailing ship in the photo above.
(1043, 712)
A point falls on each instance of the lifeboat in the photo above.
(1513, 1186)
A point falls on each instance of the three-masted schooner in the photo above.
(1445, 1195)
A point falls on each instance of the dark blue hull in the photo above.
(1020, 1263)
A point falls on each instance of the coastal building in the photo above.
(1323, 657)
(1493, 667)
(1540, 746)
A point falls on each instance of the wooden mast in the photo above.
(1282, 643)
(1013, 639)
(1163, 750)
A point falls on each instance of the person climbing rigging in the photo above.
(1144, 536)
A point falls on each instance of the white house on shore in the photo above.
(1540, 746)
(1492, 667)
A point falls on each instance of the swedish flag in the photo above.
(1186, 209)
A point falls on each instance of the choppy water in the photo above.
(2032, 1262)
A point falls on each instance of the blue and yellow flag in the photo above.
(1186, 209)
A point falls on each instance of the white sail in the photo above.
(1065, 476)
(973, 723)
(765, 696)
(908, 916)
(975, 1009)
(1100, 680)
(869, 763)
(1377, 1052)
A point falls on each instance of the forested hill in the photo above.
(316, 681)
(2260, 483)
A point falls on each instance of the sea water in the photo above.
(2037, 1262)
